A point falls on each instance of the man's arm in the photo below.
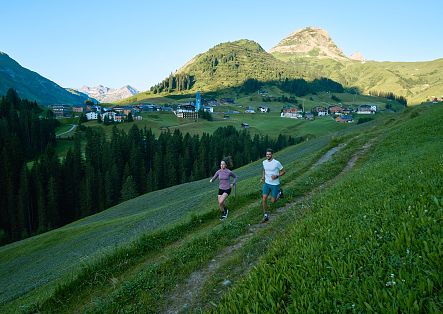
(280, 173)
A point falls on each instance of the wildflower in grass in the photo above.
(390, 283)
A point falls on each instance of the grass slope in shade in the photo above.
(373, 242)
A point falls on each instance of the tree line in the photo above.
(178, 82)
(25, 133)
(390, 95)
(97, 172)
(298, 87)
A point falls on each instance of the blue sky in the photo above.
(135, 42)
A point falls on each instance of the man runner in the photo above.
(272, 171)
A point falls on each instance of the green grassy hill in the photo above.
(416, 81)
(360, 231)
(230, 64)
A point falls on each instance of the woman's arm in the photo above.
(215, 176)
(232, 174)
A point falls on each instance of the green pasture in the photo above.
(270, 124)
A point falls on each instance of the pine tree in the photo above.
(24, 206)
(129, 189)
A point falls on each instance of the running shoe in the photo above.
(265, 218)
(280, 194)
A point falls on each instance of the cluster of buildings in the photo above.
(341, 113)
(94, 112)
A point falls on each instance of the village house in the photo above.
(186, 111)
(263, 109)
(92, 115)
(185, 108)
(61, 111)
(123, 109)
(108, 114)
(119, 117)
(321, 111)
(348, 110)
(249, 110)
(335, 110)
(309, 116)
(366, 109)
(344, 119)
(78, 109)
(293, 113)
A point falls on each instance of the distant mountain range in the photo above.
(105, 94)
(33, 86)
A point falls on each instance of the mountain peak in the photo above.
(107, 94)
(309, 42)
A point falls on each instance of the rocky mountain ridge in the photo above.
(309, 42)
(106, 94)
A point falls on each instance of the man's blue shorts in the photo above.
(270, 188)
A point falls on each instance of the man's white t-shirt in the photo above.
(272, 167)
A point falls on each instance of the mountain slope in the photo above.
(312, 51)
(33, 86)
(230, 64)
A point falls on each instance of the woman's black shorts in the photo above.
(220, 191)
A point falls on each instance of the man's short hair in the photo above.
(269, 150)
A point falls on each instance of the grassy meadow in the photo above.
(365, 240)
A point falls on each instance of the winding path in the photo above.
(73, 127)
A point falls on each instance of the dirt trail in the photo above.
(185, 294)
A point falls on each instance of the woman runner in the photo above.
(225, 185)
